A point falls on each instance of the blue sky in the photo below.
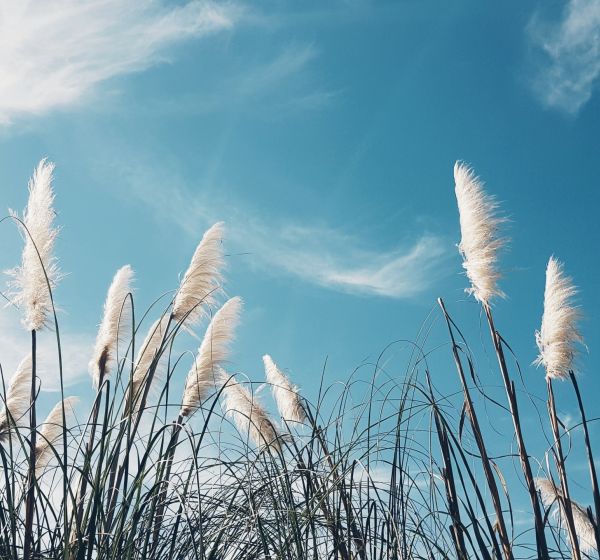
(324, 135)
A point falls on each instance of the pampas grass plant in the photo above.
(202, 280)
(285, 394)
(32, 286)
(480, 244)
(380, 466)
(249, 415)
(50, 433)
(16, 402)
(211, 357)
(583, 523)
(115, 322)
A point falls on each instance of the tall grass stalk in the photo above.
(481, 241)
(511, 395)
(486, 462)
(591, 463)
(381, 466)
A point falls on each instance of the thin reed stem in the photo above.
(158, 503)
(542, 546)
(591, 462)
(485, 460)
(457, 527)
(564, 498)
(357, 538)
(30, 500)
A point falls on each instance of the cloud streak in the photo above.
(334, 259)
(317, 254)
(570, 53)
(15, 344)
(52, 54)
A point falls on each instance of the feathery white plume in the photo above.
(30, 286)
(559, 334)
(248, 414)
(212, 353)
(146, 356)
(51, 432)
(583, 526)
(116, 318)
(548, 491)
(201, 281)
(285, 394)
(479, 225)
(18, 395)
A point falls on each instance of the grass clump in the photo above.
(381, 466)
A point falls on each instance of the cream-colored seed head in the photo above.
(116, 320)
(150, 355)
(480, 240)
(18, 395)
(51, 432)
(212, 354)
(559, 335)
(550, 495)
(39, 271)
(201, 282)
(285, 394)
(248, 414)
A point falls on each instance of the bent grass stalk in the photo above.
(170, 491)
(511, 395)
(591, 463)
(477, 433)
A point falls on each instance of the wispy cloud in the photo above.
(15, 344)
(272, 84)
(53, 53)
(289, 62)
(315, 253)
(336, 259)
(570, 51)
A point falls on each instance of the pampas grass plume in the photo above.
(248, 414)
(480, 242)
(201, 281)
(285, 394)
(17, 397)
(115, 318)
(146, 355)
(38, 264)
(559, 334)
(212, 354)
(51, 431)
(583, 526)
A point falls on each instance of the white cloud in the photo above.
(289, 62)
(334, 259)
(15, 344)
(317, 254)
(53, 53)
(570, 49)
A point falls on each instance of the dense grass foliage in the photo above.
(379, 466)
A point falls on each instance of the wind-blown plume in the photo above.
(248, 414)
(38, 264)
(51, 432)
(17, 397)
(201, 281)
(212, 354)
(559, 334)
(583, 526)
(115, 319)
(480, 242)
(285, 394)
(145, 358)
